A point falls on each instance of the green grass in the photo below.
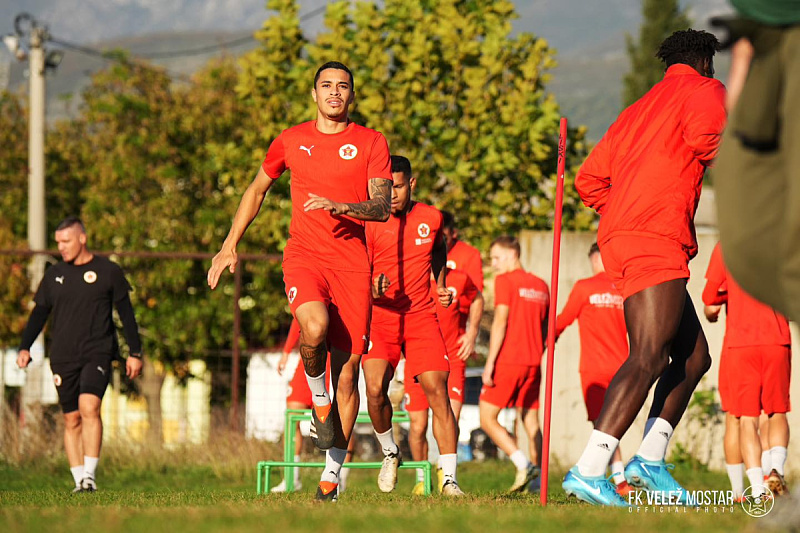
(199, 499)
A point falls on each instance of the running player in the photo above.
(644, 177)
(340, 178)
(512, 373)
(406, 250)
(755, 372)
(458, 351)
(79, 293)
(597, 305)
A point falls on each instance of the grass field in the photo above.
(196, 498)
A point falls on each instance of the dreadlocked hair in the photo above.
(688, 47)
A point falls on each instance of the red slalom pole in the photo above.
(551, 319)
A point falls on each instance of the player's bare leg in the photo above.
(343, 413)
(763, 432)
(434, 385)
(73, 444)
(778, 430)
(91, 436)
(530, 421)
(734, 463)
(750, 444)
(661, 323)
(456, 406)
(418, 442)
(526, 471)
(378, 375)
(314, 320)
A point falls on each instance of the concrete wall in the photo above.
(570, 429)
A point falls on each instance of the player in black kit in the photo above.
(79, 293)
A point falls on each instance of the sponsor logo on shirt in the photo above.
(90, 276)
(57, 380)
(606, 299)
(532, 294)
(348, 151)
(307, 149)
(60, 279)
(292, 294)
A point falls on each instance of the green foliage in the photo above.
(661, 19)
(152, 164)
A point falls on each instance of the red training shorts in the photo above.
(723, 383)
(514, 386)
(417, 401)
(416, 335)
(594, 393)
(636, 262)
(348, 296)
(758, 379)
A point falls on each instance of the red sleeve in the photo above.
(292, 338)
(380, 164)
(474, 269)
(275, 161)
(593, 181)
(704, 121)
(503, 293)
(715, 291)
(470, 291)
(571, 310)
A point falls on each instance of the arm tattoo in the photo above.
(314, 358)
(378, 207)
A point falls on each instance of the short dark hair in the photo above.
(688, 47)
(509, 242)
(69, 222)
(448, 220)
(594, 249)
(401, 164)
(336, 66)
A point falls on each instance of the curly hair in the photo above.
(688, 47)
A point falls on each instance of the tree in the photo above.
(453, 91)
(661, 19)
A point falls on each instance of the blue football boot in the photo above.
(595, 490)
(654, 476)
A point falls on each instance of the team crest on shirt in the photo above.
(90, 276)
(451, 264)
(348, 151)
(453, 291)
(424, 230)
(292, 294)
(57, 380)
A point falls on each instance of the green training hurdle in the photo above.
(265, 467)
(294, 416)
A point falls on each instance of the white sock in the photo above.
(656, 438)
(756, 478)
(420, 475)
(778, 456)
(89, 466)
(77, 474)
(319, 390)
(597, 454)
(766, 462)
(343, 475)
(449, 462)
(519, 460)
(618, 469)
(296, 470)
(334, 459)
(387, 442)
(736, 476)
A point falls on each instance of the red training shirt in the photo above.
(527, 298)
(466, 258)
(597, 305)
(335, 166)
(460, 284)
(748, 322)
(401, 249)
(645, 174)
